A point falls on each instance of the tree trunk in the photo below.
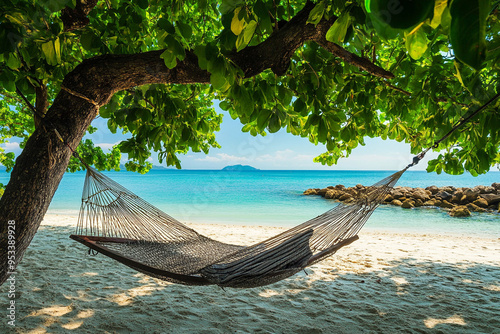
(36, 176)
(41, 165)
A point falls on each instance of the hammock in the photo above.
(119, 224)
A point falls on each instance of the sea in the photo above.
(275, 198)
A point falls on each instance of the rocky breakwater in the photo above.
(459, 202)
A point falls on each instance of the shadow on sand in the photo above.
(59, 288)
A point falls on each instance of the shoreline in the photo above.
(383, 282)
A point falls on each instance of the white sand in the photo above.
(384, 282)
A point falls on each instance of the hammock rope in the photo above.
(119, 224)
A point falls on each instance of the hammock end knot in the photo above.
(416, 159)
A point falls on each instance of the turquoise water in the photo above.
(275, 197)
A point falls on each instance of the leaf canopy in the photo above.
(444, 56)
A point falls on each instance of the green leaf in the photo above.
(49, 52)
(57, 49)
(316, 14)
(439, 8)
(219, 81)
(143, 4)
(237, 25)
(13, 61)
(240, 43)
(322, 130)
(229, 5)
(185, 29)
(274, 123)
(416, 43)
(244, 38)
(263, 119)
(338, 30)
(89, 40)
(468, 30)
(262, 13)
(246, 128)
(300, 107)
(186, 134)
(249, 31)
(225, 105)
(169, 58)
(400, 14)
(199, 51)
(165, 24)
(175, 47)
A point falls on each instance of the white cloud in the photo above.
(10, 146)
(285, 155)
(224, 158)
(106, 146)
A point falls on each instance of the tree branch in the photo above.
(76, 18)
(41, 103)
(42, 163)
(275, 52)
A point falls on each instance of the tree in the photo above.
(332, 71)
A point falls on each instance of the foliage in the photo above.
(445, 57)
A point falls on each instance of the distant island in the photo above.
(239, 168)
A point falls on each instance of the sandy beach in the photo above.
(383, 283)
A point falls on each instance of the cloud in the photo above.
(285, 155)
(223, 157)
(106, 146)
(10, 146)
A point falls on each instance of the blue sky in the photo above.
(280, 150)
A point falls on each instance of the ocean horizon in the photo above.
(274, 197)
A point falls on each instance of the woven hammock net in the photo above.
(117, 223)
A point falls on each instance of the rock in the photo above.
(322, 192)
(433, 189)
(332, 194)
(360, 186)
(408, 204)
(310, 192)
(496, 185)
(457, 199)
(491, 198)
(482, 189)
(481, 202)
(344, 197)
(470, 195)
(490, 190)
(431, 202)
(353, 192)
(447, 205)
(396, 193)
(396, 202)
(459, 211)
(474, 207)
(449, 189)
(340, 187)
(349, 200)
(330, 187)
(388, 198)
(444, 195)
(421, 194)
(418, 203)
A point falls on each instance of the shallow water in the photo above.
(275, 197)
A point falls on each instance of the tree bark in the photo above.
(41, 165)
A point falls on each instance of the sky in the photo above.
(276, 151)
